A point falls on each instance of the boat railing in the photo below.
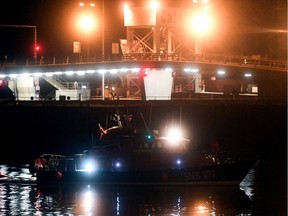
(226, 157)
(50, 162)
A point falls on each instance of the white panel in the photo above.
(158, 85)
(25, 88)
(139, 17)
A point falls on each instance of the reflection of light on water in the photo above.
(37, 202)
(118, 204)
(16, 173)
(97, 200)
(24, 199)
(16, 199)
(88, 201)
(179, 205)
(203, 208)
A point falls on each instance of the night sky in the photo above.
(244, 27)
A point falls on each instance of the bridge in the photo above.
(158, 61)
(209, 76)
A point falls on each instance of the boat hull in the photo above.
(216, 174)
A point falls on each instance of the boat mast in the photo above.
(144, 122)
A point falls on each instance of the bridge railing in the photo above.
(246, 61)
(58, 80)
(253, 61)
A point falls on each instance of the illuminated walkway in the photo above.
(200, 76)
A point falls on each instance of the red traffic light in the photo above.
(37, 48)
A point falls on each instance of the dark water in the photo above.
(20, 195)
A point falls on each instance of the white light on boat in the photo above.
(117, 165)
(177, 163)
(89, 166)
(174, 135)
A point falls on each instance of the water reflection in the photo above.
(106, 200)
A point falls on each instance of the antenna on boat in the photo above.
(150, 116)
(181, 116)
(144, 122)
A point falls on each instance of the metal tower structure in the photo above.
(158, 34)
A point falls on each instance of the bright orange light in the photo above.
(91, 4)
(201, 23)
(127, 11)
(203, 1)
(87, 23)
(154, 5)
(126, 7)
